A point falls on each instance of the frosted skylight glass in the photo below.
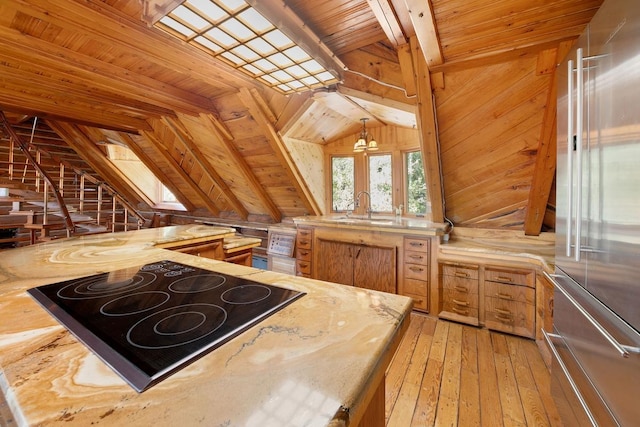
(210, 11)
(238, 35)
(238, 29)
(255, 20)
(193, 19)
(172, 23)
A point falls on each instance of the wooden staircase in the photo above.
(32, 211)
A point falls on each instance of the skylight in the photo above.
(238, 34)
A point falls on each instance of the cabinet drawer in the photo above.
(459, 299)
(516, 277)
(510, 292)
(303, 254)
(417, 245)
(415, 287)
(416, 271)
(304, 238)
(458, 271)
(462, 285)
(413, 257)
(303, 267)
(510, 316)
(459, 310)
(419, 301)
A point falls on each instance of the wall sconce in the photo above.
(362, 144)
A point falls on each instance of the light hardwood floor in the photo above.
(448, 374)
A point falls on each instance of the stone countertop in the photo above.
(301, 366)
(236, 243)
(389, 224)
(539, 250)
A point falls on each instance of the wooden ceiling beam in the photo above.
(95, 75)
(424, 23)
(222, 134)
(429, 145)
(546, 156)
(159, 173)
(163, 151)
(82, 144)
(386, 16)
(183, 135)
(250, 99)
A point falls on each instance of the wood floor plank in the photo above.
(447, 410)
(512, 412)
(490, 406)
(457, 375)
(469, 411)
(408, 397)
(543, 384)
(398, 369)
(425, 411)
(532, 404)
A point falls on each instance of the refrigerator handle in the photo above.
(569, 156)
(623, 350)
(579, 129)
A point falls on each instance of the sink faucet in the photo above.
(357, 202)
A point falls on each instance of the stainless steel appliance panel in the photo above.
(603, 346)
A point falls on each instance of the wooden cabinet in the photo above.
(212, 250)
(415, 269)
(459, 292)
(510, 300)
(304, 252)
(364, 266)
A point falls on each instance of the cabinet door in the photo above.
(335, 261)
(375, 268)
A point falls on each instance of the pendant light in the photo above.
(362, 144)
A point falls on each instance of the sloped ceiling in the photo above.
(96, 71)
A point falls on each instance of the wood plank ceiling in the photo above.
(97, 71)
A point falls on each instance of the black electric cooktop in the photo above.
(147, 322)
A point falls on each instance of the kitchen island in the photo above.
(319, 361)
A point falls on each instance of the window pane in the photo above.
(417, 196)
(343, 183)
(380, 186)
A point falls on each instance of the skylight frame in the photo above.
(248, 53)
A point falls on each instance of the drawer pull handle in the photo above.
(304, 253)
(304, 265)
(415, 269)
(504, 296)
(505, 278)
(503, 312)
(416, 256)
(419, 244)
(461, 274)
(461, 289)
(504, 318)
(463, 312)
(304, 242)
(462, 303)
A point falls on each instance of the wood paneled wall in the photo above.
(489, 121)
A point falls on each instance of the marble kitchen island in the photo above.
(319, 361)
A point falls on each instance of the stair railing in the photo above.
(25, 149)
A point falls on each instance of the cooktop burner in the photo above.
(147, 322)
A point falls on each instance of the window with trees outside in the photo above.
(417, 200)
(342, 183)
(380, 183)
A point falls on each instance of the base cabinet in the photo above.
(500, 298)
(510, 300)
(364, 266)
(459, 292)
(415, 271)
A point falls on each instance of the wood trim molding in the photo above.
(220, 131)
(250, 99)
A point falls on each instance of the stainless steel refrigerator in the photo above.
(596, 339)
